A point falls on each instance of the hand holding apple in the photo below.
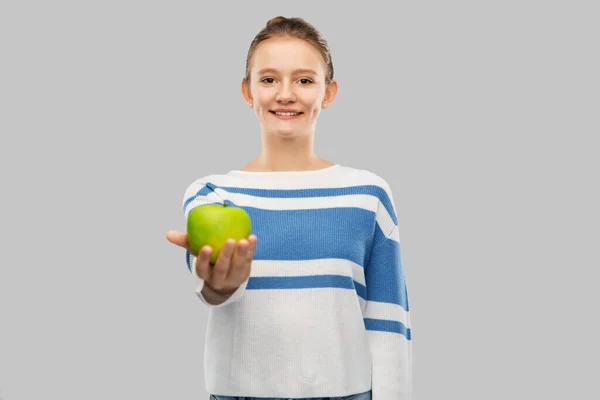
(232, 267)
(212, 232)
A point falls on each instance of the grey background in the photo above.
(482, 116)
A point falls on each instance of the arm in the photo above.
(386, 314)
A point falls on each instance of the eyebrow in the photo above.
(299, 70)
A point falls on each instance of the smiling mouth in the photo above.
(286, 114)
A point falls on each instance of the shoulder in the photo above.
(206, 183)
(204, 190)
(377, 186)
(365, 177)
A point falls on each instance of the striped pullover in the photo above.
(324, 312)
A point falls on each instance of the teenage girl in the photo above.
(313, 304)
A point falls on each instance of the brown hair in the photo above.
(292, 27)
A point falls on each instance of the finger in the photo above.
(221, 268)
(252, 240)
(238, 263)
(243, 264)
(242, 248)
(203, 268)
(178, 238)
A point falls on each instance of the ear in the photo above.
(330, 93)
(246, 93)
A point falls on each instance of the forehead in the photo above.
(286, 55)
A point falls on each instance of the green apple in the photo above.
(213, 224)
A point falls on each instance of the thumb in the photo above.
(178, 238)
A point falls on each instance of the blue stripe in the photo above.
(384, 325)
(384, 275)
(344, 233)
(306, 282)
(371, 190)
(188, 260)
(300, 282)
(361, 290)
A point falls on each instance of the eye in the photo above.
(306, 80)
(264, 79)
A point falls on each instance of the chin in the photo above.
(286, 133)
(276, 131)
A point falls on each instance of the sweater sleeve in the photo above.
(199, 193)
(386, 313)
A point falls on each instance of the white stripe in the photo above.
(276, 326)
(385, 221)
(387, 311)
(193, 265)
(324, 266)
(395, 235)
(362, 302)
(339, 178)
(393, 362)
(364, 201)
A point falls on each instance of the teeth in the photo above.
(286, 114)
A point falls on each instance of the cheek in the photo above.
(263, 110)
(263, 102)
(315, 112)
(259, 95)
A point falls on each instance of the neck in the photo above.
(287, 154)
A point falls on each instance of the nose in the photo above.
(285, 94)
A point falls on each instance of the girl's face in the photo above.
(287, 75)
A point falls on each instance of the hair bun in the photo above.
(275, 20)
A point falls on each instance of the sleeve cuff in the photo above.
(212, 298)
